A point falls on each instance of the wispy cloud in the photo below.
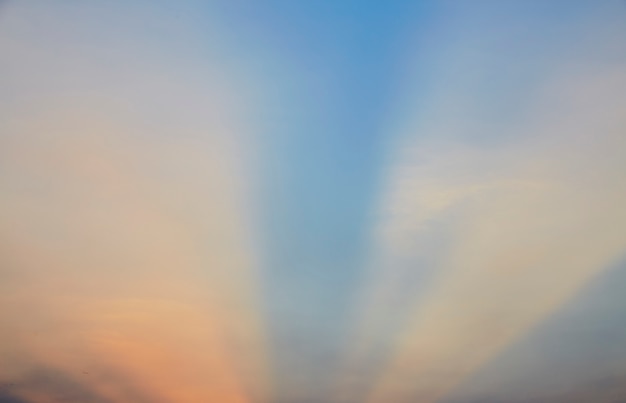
(483, 238)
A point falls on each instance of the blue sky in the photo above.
(316, 201)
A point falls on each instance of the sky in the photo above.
(348, 201)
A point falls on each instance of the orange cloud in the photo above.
(104, 270)
(128, 264)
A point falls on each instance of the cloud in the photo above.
(483, 236)
(128, 261)
(527, 227)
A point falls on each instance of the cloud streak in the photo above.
(481, 240)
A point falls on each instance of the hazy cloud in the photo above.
(128, 259)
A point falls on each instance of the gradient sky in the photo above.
(349, 201)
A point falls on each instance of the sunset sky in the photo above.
(312, 201)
